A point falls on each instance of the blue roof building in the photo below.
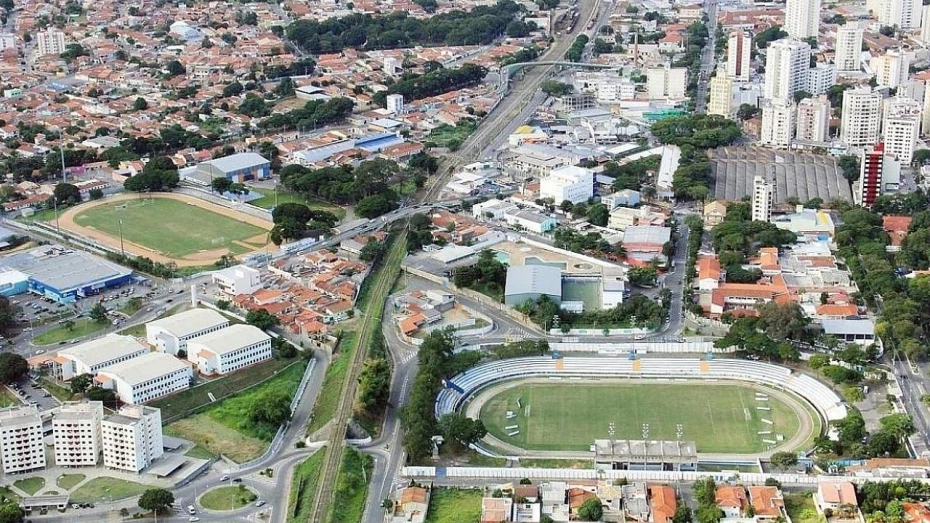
(240, 167)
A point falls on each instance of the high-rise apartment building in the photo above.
(50, 41)
(848, 48)
(777, 123)
(395, 104)
(904, 14)
(786, 66)
(891, 68)
(802, 18)
(132, 439)
(666, 82)
(721, 96)
(925, 25)
(859, 125)
(739, 45)
(900, 128)
(813, 120)
(763, 194)
(21, 445)
(820, 78)
(76, 434)
(870, 175)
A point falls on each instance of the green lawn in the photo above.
(69, 481)
(7, 399)
(181, 229)
(227, 498)
(30, 485)
(800, 508)
(60, 392)
(449, 136)
(286, 196)
(7, 494)
(451, 505)
(543, 463)
(328, 399)
(82, 327)
(199, 453)
(303, 487)
(107, 489)
(351, 487)
(571, 415)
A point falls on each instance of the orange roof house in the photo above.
(767, 502)
(663, 503)
(732, 500)
(916, 513)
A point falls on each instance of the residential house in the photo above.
(714, 213)
(411, 505)
(837, 498)
(732, 500)
(496, 510)
(664, 505)
(767, 503)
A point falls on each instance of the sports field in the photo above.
(173, 228)
(720, 418)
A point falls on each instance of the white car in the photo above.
(260, 503)
(225, 477)
(193, 518)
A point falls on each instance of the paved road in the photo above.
(707, 57)
(912, 379)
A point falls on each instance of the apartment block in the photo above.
(786, 68)
(21, 445)
(739, 46)
(861, 117)
(813, 120)
(76, 434)
(777, 123)
(132, 439)
(666, 82)
(900, 127)
(721, 96)
(848, 48)
(802, 18)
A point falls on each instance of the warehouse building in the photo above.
(171, 334)
(65, 275)
(530, 282)
(239, 168)
(145, 378)
(230, 349)
(94, 355)
(13, 282)
(21, 446)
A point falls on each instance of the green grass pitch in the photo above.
(571, 415)
(171, 227)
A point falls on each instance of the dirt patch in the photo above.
(260, 240)
(67, 221)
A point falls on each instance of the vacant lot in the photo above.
(570, 416)
(450, 505)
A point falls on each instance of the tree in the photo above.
(233, 89)
(80, 383)
(376, 205)
(747, 111)
(598, 214)
(140, 104)
(800, 95)
(95, 194)
(10, 512)
(682, 514)
(98, 313)
(285, 87)
(371, 251)
(156, 500)
(643, 276)
(221, 184)
(556, 88)
(374, 385)
(461, 428)
(784, 460)
(12, 367)
(107, 396)
(67, 194)
(175, 68)
(591, 510)
(783, 322)
(262, 319)
(899, 425)
(271, 407)
(849, 164)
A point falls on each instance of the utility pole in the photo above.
(121, 250)
(63, 174)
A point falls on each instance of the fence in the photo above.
(640, 347)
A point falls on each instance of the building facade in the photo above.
(786, 66)
(802, 18)
(721, 96)
(395, 103)
(777, 123)
(763, 194)
(76, 434)
(146, 377)
(91, 356)
(50, 41)
(901, 127)
(239, 279)
(848, 48)
(821, 78)
(870, 174)
(739, 46)
(172, 333)
(667, 82)
(891, 69)
(813, 121)
(575, 184)
(859, 125)
(230, 349)
(132, 439)
(21, 446)
(904, 14)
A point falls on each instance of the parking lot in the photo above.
(30, 393)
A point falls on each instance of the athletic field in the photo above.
(174, 228)
(720, 418)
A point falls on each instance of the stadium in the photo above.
(691, 408)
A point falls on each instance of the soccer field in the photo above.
(173, 228)
(720, 418)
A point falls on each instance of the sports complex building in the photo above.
(64, 274)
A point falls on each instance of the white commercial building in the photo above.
(395, 103)
(172, 333)
(739, 45)
(666, 82)
(925, 25)
(848, 48)
(802, 18)
(147, 377)
(786, 66)
(777, 123)
(238, 279)
(820, 78)
(762, 197)
(132, 439)
(891, 69)
(50, 41)
(900, 128)
(861, 117)
(813, 121)
(21, 445)
(230, 349)
(76, 434)
(721, 96)
(91, 356)
(904, 14)
(575, 184)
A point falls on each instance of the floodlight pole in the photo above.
(122, 251)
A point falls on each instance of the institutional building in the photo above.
(238, 279)
(21, 445)
(848, 49)
(230, 349)
(657, 455)
(91, 356)
(132, 439)
(861, 116)
(802, 18)
(739, 46)
(239, 168)
(76, 434)
(786, 66)
(575, 184)
(172, 333)
(145, 378)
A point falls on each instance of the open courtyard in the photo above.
(570, 415)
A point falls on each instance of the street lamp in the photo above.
(121, 250)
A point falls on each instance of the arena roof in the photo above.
(534, 279)
(64, 269)
(796, 175)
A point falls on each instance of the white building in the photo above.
(721, 96)
(859, 124)
(802, 18)
(813, 121)
(132, 439)
(147, 377)
(529, 220)
(666, 82)
(575, 184)
(7, 41)
(491, 209)
(904, 14)
(820, 78)
(891, 69)
(230, 349)
(777, 123)
(786, 66)
(395, 103)
(739, 45)
(21, 446)
(900, 128)
(172, 333)
(76, 434)
(50, 41)
(91, 356)
(763, 194)
(925, 114)
(848, 48)
(238, 279)
(925, 25)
